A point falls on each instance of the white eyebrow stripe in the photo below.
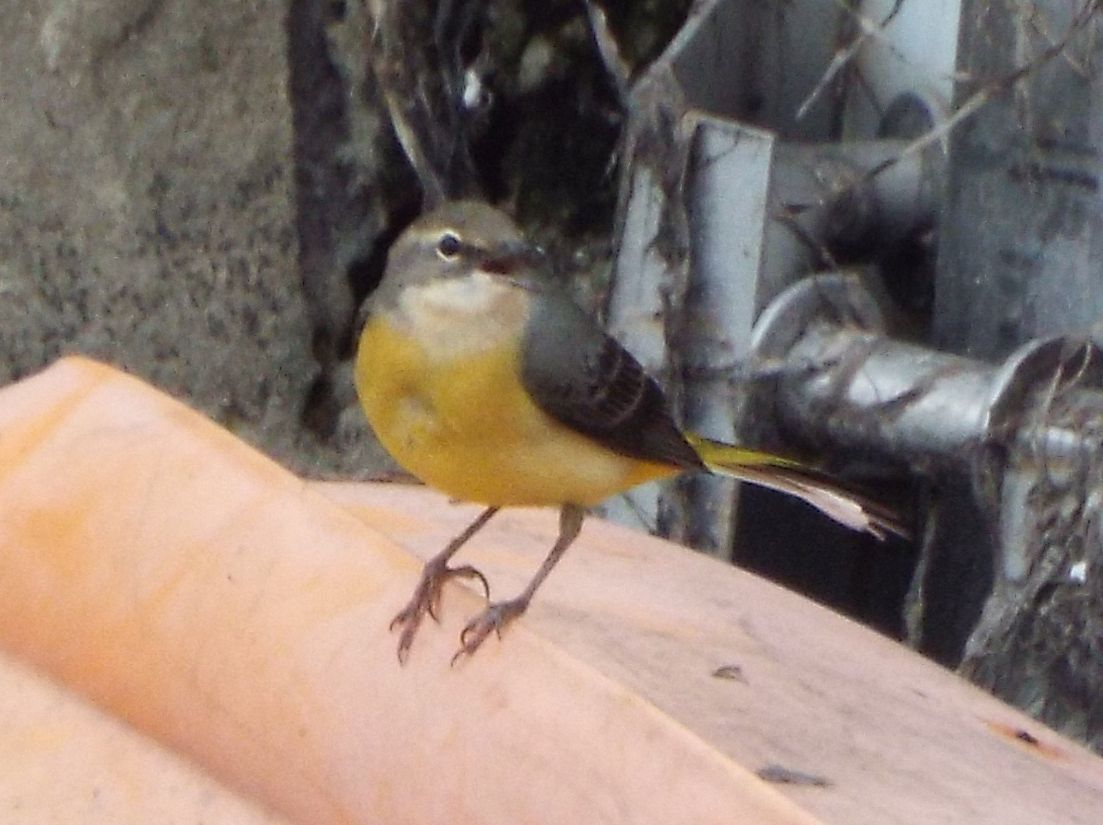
(435, 234)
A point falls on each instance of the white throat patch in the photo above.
(463, 316)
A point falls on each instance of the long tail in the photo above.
(826, 494)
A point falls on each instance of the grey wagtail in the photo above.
(486, 381)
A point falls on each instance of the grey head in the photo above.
(453, 240)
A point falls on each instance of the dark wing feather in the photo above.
(585, 379)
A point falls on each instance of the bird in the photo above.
(485, 380)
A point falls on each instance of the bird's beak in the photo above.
(513, 257)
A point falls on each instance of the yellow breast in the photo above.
(439, 379)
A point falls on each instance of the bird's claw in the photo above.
(426, 600)
(463, 572)
(492, 620)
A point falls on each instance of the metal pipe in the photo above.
(863, 390)
(847, 384)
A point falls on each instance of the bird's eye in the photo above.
(449, 246)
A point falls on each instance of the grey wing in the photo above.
(585, 379)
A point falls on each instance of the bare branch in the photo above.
(869, 29)
(1089, 9)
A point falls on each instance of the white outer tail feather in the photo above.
(844, 507)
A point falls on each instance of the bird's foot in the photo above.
(426, 600)
(492, 620)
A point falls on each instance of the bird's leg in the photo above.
(499, 614)
(426, 598)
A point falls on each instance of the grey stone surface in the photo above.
(146, 208)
